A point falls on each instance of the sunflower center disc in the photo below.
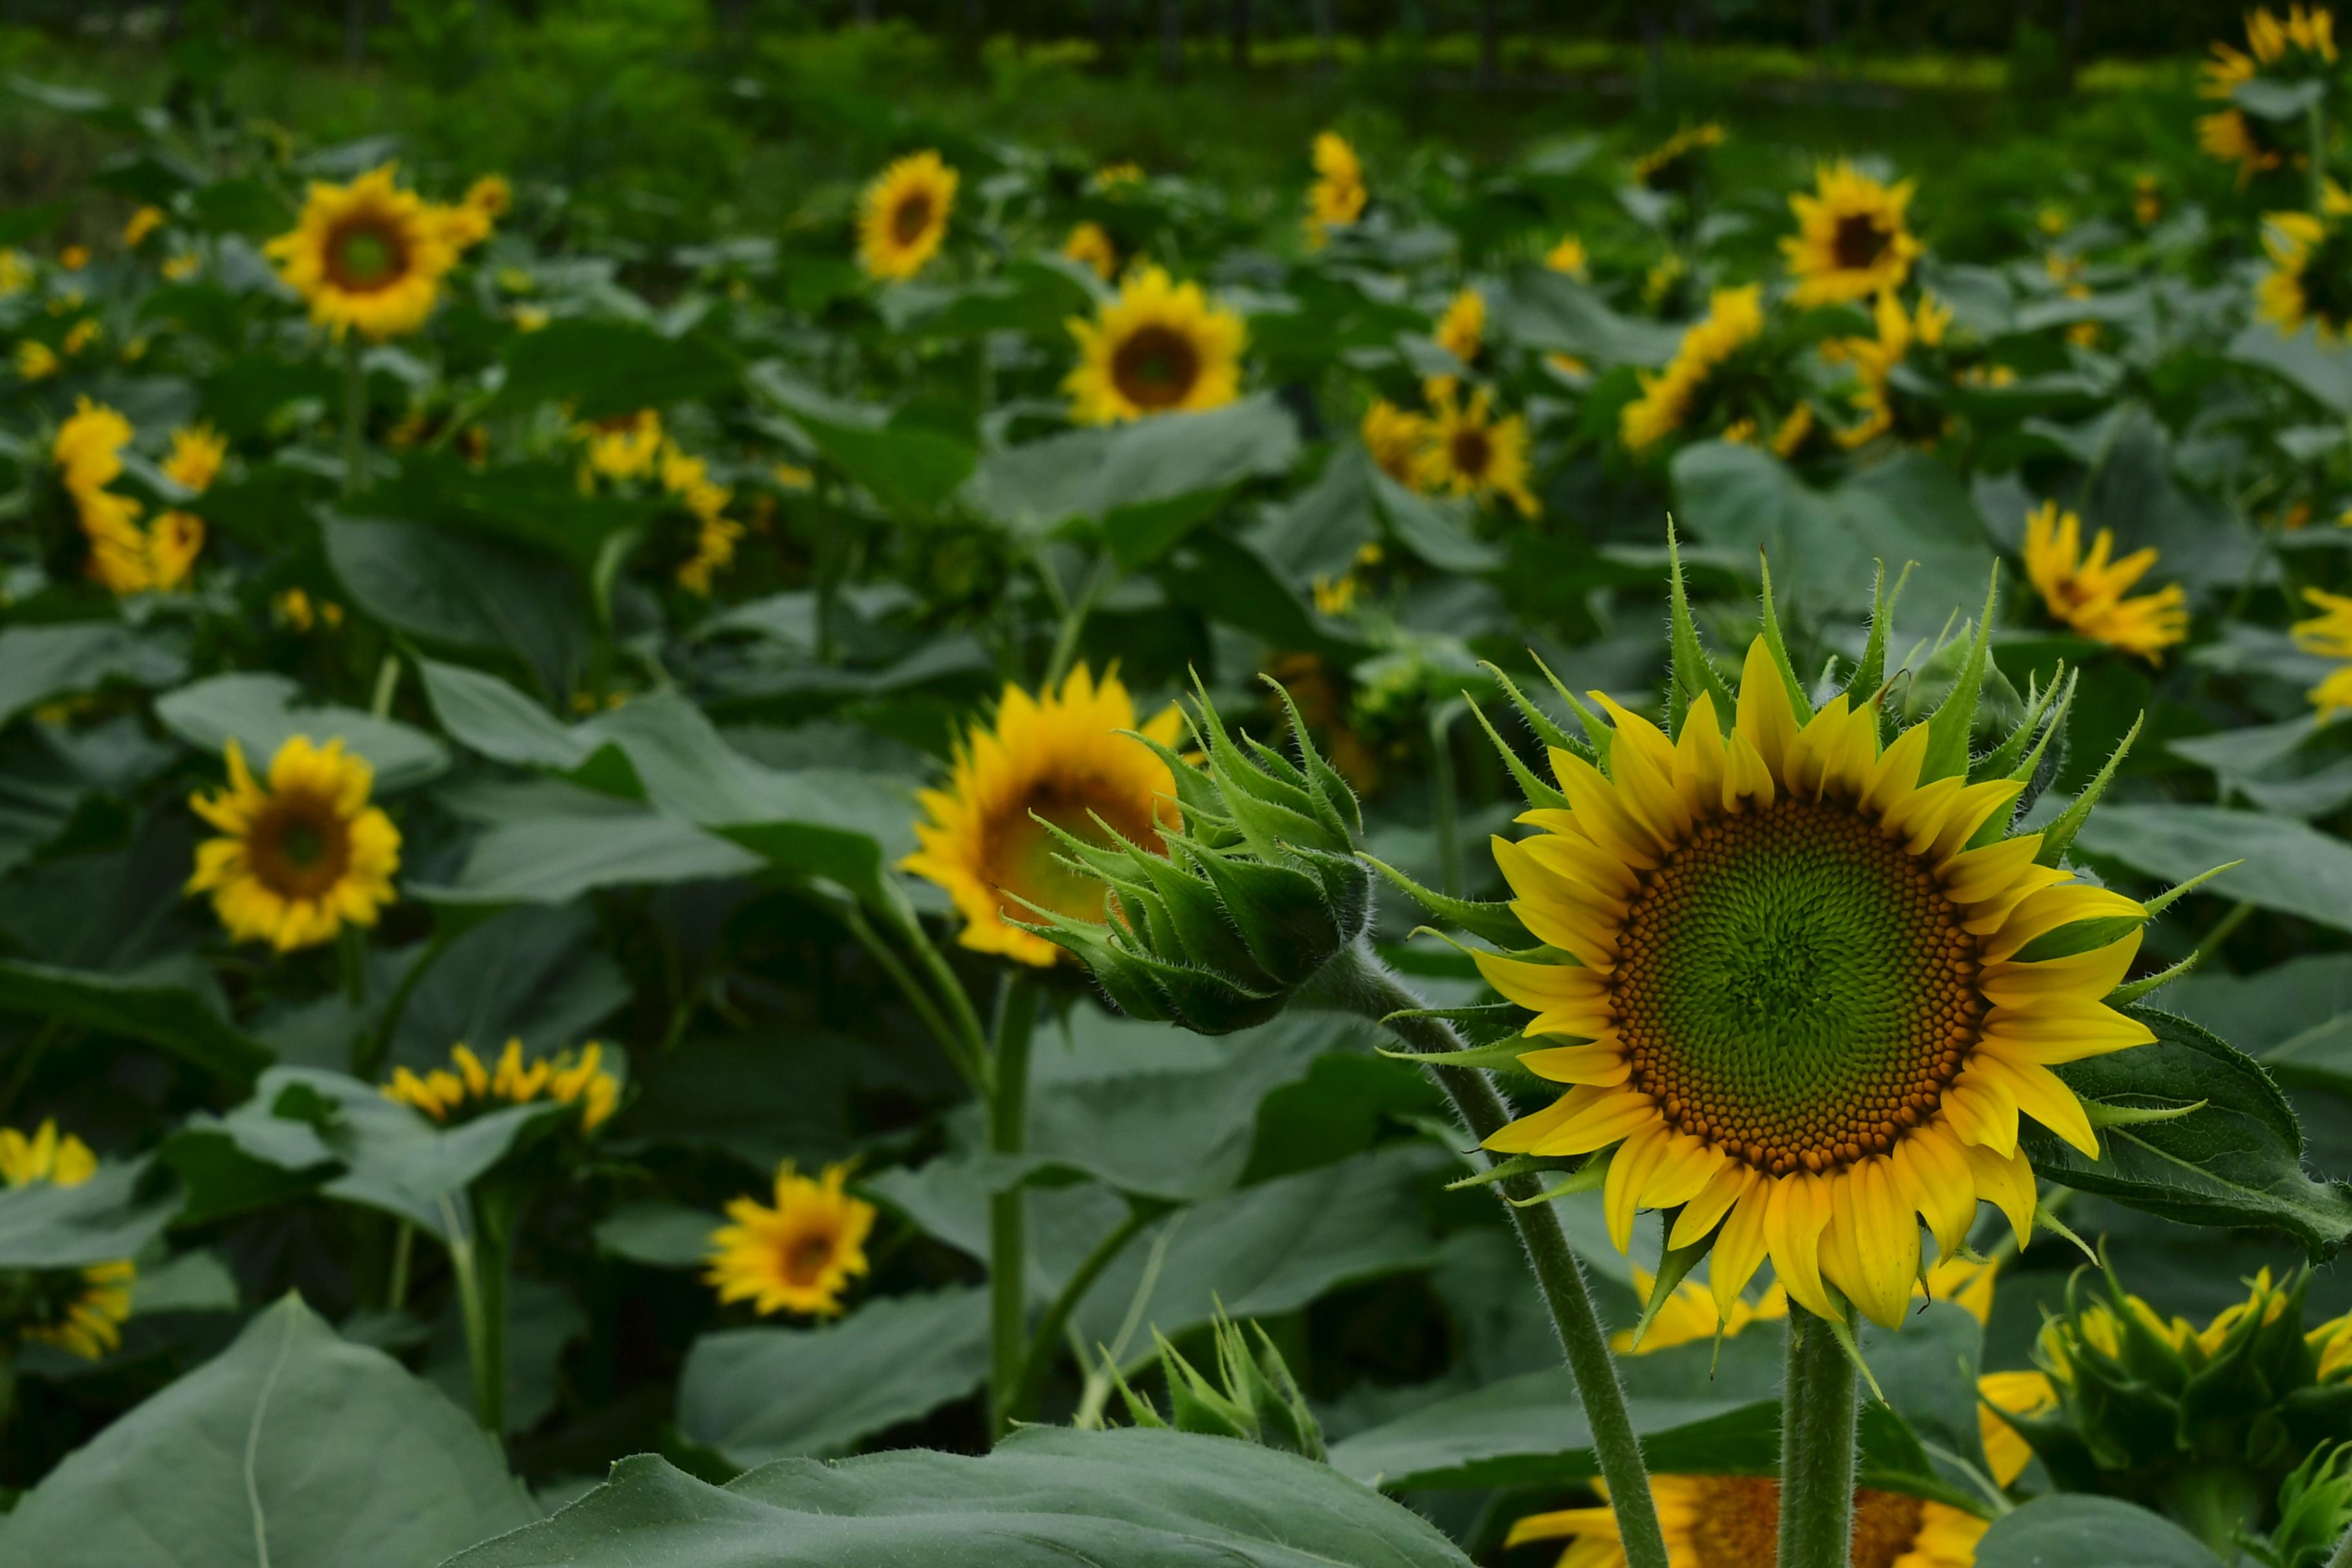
(1736, 1524)
(1471, 453)
(805, 1257)
(362, 257)
(914, 215)
(299, 847)
(1021, 853)
(1860, 241)
(1794, 987)
(1155, 367)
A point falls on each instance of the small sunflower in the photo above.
(1874, 359)
(302, 858)
(902, 217)
(2093, 594)
(1569, 256)
(1734, 1521)
(2233, 136)
(1091, 246)
(798, 1256)
(1791, 1003)
(1063, 757)
(1397, 440)
(1670, 397)
(1158, 347)
(2310, 279)
(1470, 453)
(491, 195)
(716, 534)
(1851, 241)
(1462, 330)
(467, 1087)
(78, 1310)
(1338, 196)
(2329, 635)
(36, 360)
(142, 223)
(1674, 163)
(127, 557)
(367, 256)
(623, 446)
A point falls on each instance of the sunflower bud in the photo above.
(1216, 925)
(1255, 1398)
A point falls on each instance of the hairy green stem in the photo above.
(1357, 982)
(1818, 1404)
(1008, 1135)
(1047, 1337)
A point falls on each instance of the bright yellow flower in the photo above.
(196, 457)
(1851, 240)
(15, 271)
(304, 857)
(1462, 330)
(1063, 757)
(1397, 440)
(125, 556)
(143, 222)
(1874, 359)
(1734, 1521)
(74, 257)
(88, 1324)
(1569, 256)
(623, 446)
(1734, 318)
(798, 1256)
(903, 216)
(294, 608)
(1672, 162)
(82, 334)
(716, 534)
(2329, 635)
(490, 195)
(1471, 454)
(1339, 195)
(1900, 1037)
(1158, 347)
(466, 1088)
(2089, 593)
(2310, 255)
(1090, 246)
(366, 256)
(36, 360)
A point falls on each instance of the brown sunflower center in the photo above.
(1794, 986)
(1736, 1524)
(1020, 856)
(364, 253)
(1860, 241)
(913, 216)
(1471, 450)
(806, 1257)
(1155, 367)
(300, 847)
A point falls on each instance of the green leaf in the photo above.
(1435, 530)
(464, 592)
(2268, 98)
(111, 1215)
(1551, 311)
(658, 1234)
(172, 1003)
(2290, 866)
(38, 664)
(290, 1447)
(555, 859)
(2089, 1532)
(599, 367)
(2322, 370)
(488, 715)
(757, 1395)
(258, 711)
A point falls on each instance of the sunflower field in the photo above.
(1628, 855)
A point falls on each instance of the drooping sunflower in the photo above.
(798, 1256)
(1793, 1004)
(1338, 196)
(467, 1087)
(2310, 278)
(1091, 246)
(1670, 397)
(78, 1310)
(2093, 594)
(1734, 1521)
(1064, 757)
(302, 858)
(2329, 635)
(902, 217)
(1852, 240)
(367, 256)
(1160, 347)
(1874, 359)
(1397, 439)
(1471, 453)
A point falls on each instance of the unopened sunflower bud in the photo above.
(1255, 1398)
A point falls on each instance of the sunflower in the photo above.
(142, 223)
(301, 858)
(1851, 240)
(1158, 347)
(1397, 440)
(79, 1310)
(2329, 635)
(36, 360)
(1061, 757)
(367, 254)
(2089, 593)
(2310, 278)
(491, 195)
(716, 534)
(1673, 163)
(623, 446)
(1462, 330)
(1789, 993)
(127, 557)
(1734, 1521)
(15, 271)
(902, 217)
(1569, 256)
(2233, 136)
(466, 1088)
(1090, 246)
(1339, 195)
(1874, 359)
(2026, 1395)
(799, 1256)
(1472, 453)
(1669, 398)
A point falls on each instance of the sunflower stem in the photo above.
(355, 402)
(2343, 1557)
(1818, 1405)
(1357, 982)
(1043, 1342)
(1008, 1134)
(1074, 619)
(479, 1262)
(951, 1044)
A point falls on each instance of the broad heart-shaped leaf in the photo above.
(2071, 1531)
(111, 1215)
(555, 859)
(2322, 370)
(258, 711)
(1552, 311)
(2280, 100)
(2236, 1162)
(658, 1234)
(38, 663)
(464, 590)
(2290, 866)
(1047, 1497)
(173, 1003)
(292, 1448)
(757, 1395)
(535, 504)
(598, 368)
(910, 469)
(1146, 483)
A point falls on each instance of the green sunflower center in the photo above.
(300, 847)
(1794, 987)
(1155, 367)
(364, 255)
(1860, 241)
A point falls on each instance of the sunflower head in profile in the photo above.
(78, 1310)
(1734, 1521)
(1158, 347)
(2092, 594)
(1092, 247)
(902, 216)
(797, 1256)
(468, 1086)
(1790, 978)
(2329, 635)
(2310, 276)
(2254, 146)
(1852, 240)
(1398, 439)
(1672, 399)
(300, 857)
(367, 256)
(1462, 330)
(1338, 196)
(1471, 453)
(1063, 758)
(1874, 359)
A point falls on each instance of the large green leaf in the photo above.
(1550, 311)
(2077, 1531)
(115, 1213)
(2290, 866)
(910, 469)
(291, 1448)
(534, 504)
(597, 368)
(1047, 1498)
(259, 710)
(39, 663)
(2322, 370)
(173, 1003)
(464, 592)
(555, 859)
(757, 1395)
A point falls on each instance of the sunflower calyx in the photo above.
(1254, 1398)
(1216, 925)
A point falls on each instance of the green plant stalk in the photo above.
(355, 418)
(1048, 1334)
(1818, 1405)
(1075, 613)
(951, 998)
(2218, 1505)
(1357, 982)
(950, 1043)
(350, 959)
(2342, 1556)
(1008, 1135)
(404, 1252)
(373, 1050)
(480, 1263)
